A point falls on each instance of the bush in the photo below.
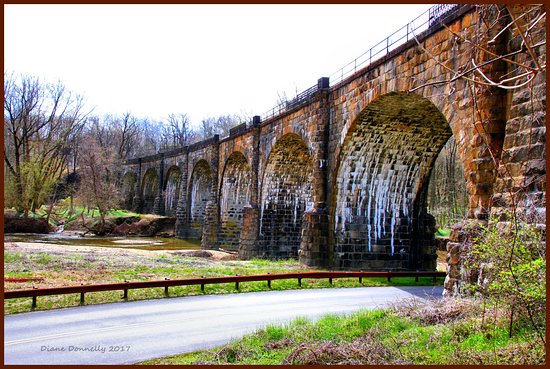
(509, 260)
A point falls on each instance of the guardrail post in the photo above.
(330, 281)
(202, 285)
(237, 283)
(33, 303)
(82, 298)
(300, 282)
(269, 282)
(166, 287)
(416, 277)
(125, 296)
(360, 279)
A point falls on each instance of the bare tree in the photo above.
(177, 132)
(98, 189)
(150, 137)
(120, 133)
(447, 197)
(219, 125)
(128, 131)
(40, 123)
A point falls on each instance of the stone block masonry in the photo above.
(339, 178)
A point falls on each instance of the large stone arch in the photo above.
(287, 192)
(235, 194)
(380, 219)
(129, 181)
(149, 188)
(172, 187)
(200, 193)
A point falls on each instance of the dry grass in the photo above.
(365, 350)
(436, 311)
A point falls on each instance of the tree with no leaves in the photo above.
(98, 189)
(40, 123)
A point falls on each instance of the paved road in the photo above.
(129, 332)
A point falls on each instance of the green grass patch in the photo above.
(373, 337)
(443, 232)
(14, 257)
(43, 258)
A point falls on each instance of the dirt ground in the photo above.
(130, 256)
(37, 247)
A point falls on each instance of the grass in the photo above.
(63, 212)
(416, 334)
(77, 268)
(443, 232)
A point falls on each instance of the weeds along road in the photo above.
(130, 332)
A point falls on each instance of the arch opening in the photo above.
(149, 190)
(201, 193)
(380, 218)
(129, 181)
(172, 190)
(234, 196)
(286, 194)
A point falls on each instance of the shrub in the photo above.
(509, 260)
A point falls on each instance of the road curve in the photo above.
(129, 332)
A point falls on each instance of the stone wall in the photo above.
(200, 195)
(286, 194)
(172, 189)
(234, 196)
(521, 182)
(150, 190)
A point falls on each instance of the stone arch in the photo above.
(129, 181)
(172, 190)
(200, 194)
(287, 192)
(149, 190)
(235, 193)
(380, 219)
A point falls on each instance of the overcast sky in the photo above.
(203, 60)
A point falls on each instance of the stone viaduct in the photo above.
(338, 178)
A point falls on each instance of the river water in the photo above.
(143, 243)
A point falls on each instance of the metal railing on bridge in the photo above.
(433, 16)
(166, 283)
(423, 22)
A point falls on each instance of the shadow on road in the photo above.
(435, 292)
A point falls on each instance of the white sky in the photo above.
(203, 60)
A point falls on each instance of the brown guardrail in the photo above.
(166, 283)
